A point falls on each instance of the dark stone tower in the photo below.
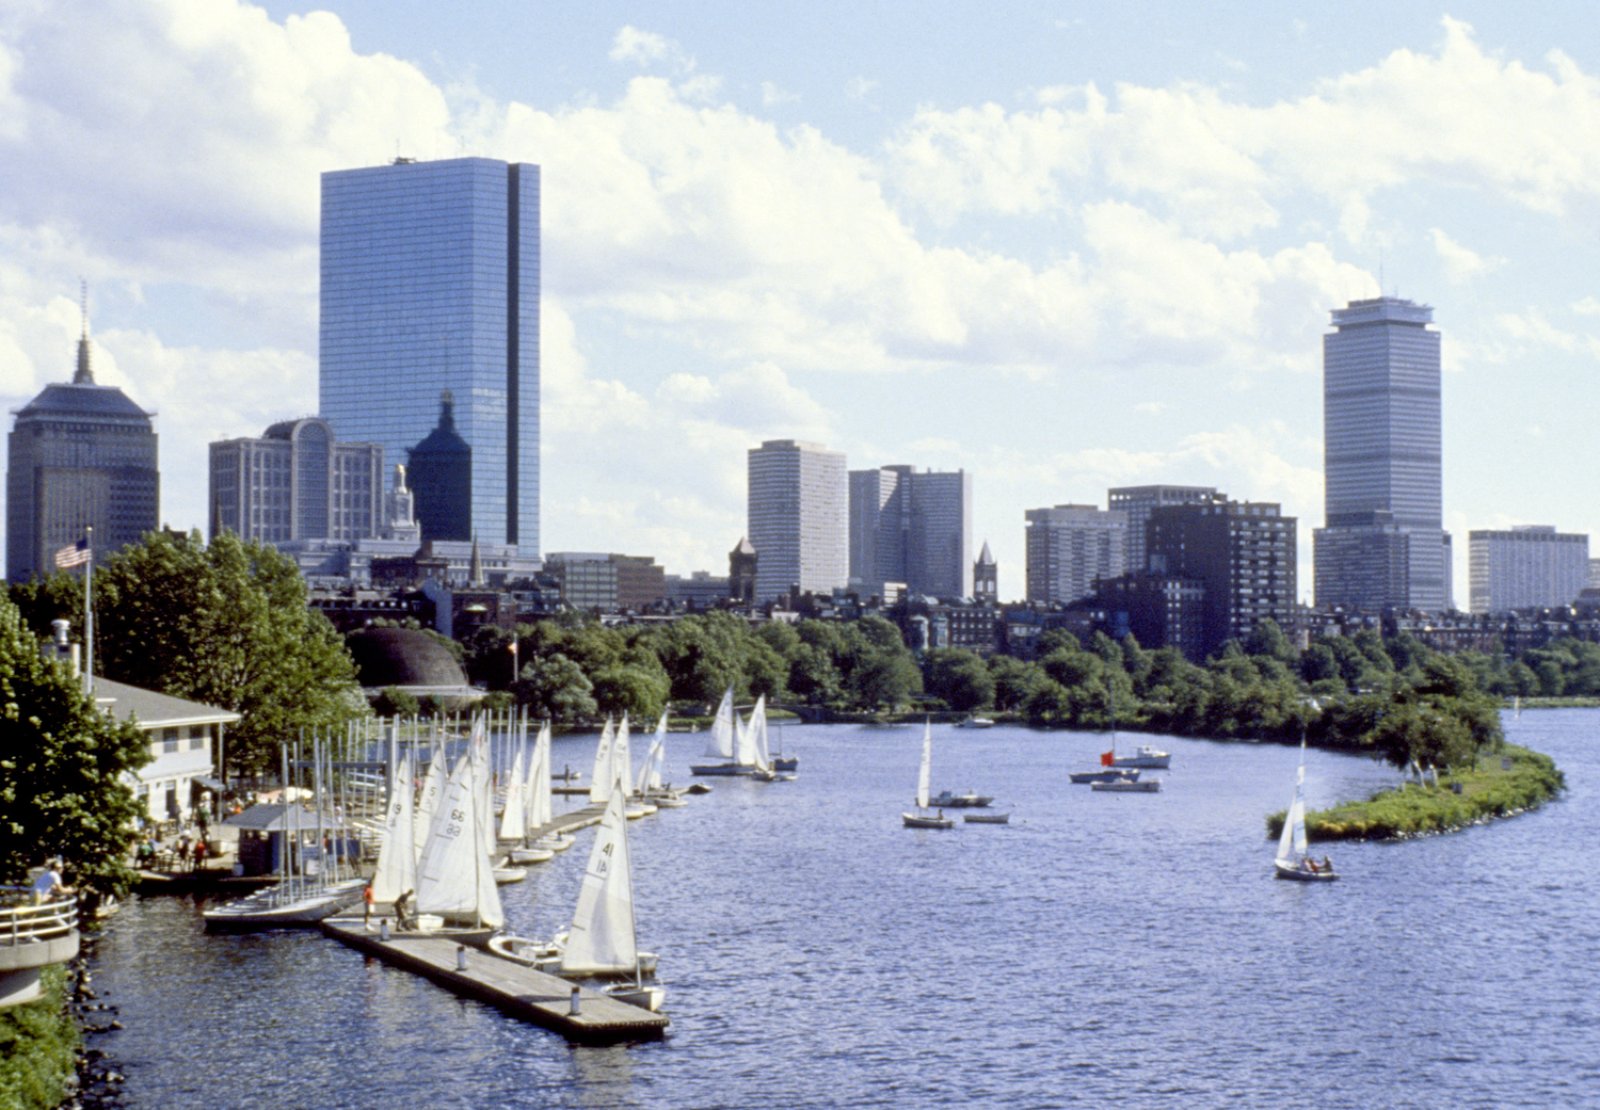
(985, 578)
(742, 573)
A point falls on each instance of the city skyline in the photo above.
(1107, 262)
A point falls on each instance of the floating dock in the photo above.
(545, 1000)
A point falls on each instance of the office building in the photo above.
(1070, 548)
(430, 283)
(296, 482)
(79, 456)
(911, 528)
(1240, 553)
(1383, 545)
(797, 512)
(607, 582)
(1138, 502)
(1529, 567)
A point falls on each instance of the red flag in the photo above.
(1106, 758)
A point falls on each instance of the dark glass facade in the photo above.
(430, 282)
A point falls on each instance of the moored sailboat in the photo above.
(922, 817)
(720, 742)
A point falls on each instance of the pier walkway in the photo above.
(533, 996)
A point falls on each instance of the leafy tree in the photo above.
(639, 691)
(885, 679)
(226, 625)
(395, 702)
(554, 686)
(960, 678)
(64, 775)
(1014, 682)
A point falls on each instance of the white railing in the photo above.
(22, 921)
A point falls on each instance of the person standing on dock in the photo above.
(366, 905)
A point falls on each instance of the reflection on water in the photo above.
(1102, 948)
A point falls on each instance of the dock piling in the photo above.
(461, 957)
(577, 1003)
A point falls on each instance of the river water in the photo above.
(1103, 948)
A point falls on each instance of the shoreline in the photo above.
(1514, 781)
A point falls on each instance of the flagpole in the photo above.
(88, 616)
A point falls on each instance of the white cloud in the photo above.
(772, 95)
(647, 49)
(1461, 263)
(1588, 306)
(859, 88)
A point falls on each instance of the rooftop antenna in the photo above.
(85, 373)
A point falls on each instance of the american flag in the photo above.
(73, 555)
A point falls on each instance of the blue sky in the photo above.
(1065, 246)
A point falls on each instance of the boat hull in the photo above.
(642, 995)
(986, 818)
(948, 800)
(265, 910)
(1128, 786)
(1118, 774)
(786, 763)
(710, 769)
(1295, 874)
(924, 821)
(531, 855)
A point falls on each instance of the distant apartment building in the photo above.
(913, 528)
(1382, 545)
(699, 592)
(607, 582)
(798, 518)
(1527, 567)
(1070, 548)
(296, 482)
(80, 456)
(1241, 553)
(1138, 502)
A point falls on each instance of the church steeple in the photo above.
(85, 372)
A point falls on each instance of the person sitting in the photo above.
(1327, 864)
(48, 884)
(1310, 865)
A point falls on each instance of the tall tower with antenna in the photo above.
(80, 455)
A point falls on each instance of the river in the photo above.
(1103, 948)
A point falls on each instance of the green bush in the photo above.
(38, 1047)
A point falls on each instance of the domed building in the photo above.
(411, 660)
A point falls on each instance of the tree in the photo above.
(395, 702)
(554, 686)
(65, 775)
(639, 691)
(960, 678)
(227, 625)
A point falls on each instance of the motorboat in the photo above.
(971, 799)
(1115, 774)
(986, 818)
(1144, 756)
(1128, 786)
(976, 721)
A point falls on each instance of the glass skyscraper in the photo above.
(912, 528)
(430, 283)
(1383, 545)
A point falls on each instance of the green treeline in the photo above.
(1397, 700)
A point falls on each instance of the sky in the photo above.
(1062, 246)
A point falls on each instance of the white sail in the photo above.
(720, 743)
(602, 935)
(925, 774)
(1292, 842)
(514, 817)
(761, 759)
(600, 783)
(540, 809)
(397, 859)
(428, 801)
(655, 758)
(622, 760)
(455, 878)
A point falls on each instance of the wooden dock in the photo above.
(545, 1000)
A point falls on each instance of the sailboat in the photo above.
(923, 818)
(602, 941)
(455, 876)
(720, 742)
(750, 745)
(1293, 860)
(651, 786)
(621, 772)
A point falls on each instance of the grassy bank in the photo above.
(1493, 790)
(38, 1046)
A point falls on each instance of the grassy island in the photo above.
(1514, 780)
